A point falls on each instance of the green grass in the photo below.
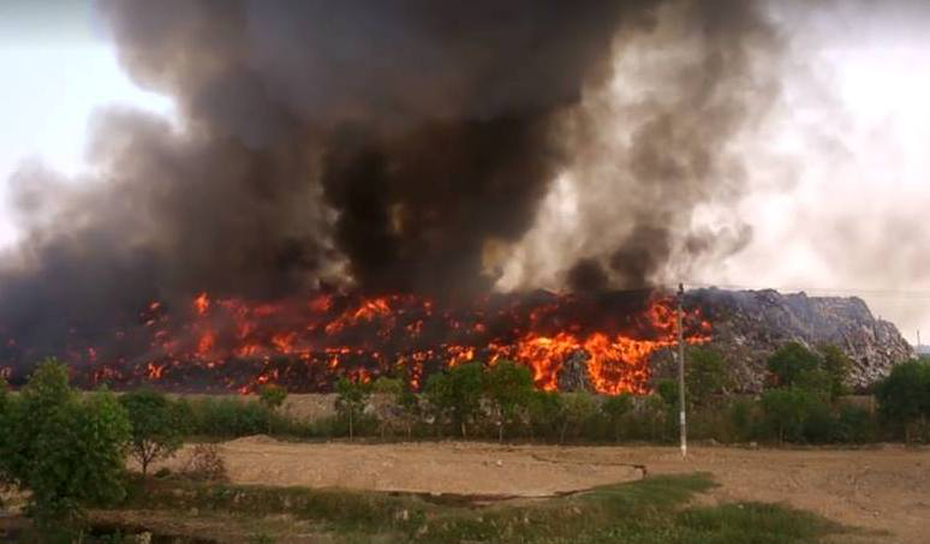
(654, 510)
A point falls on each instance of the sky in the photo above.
(839, 180)
(59, 70)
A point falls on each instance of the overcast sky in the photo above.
(839, 174)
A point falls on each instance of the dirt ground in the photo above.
(882, 489)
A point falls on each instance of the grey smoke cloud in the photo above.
(396, 146)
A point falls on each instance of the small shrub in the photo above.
(205, 464)
(616, 409)
(855, 425)
(227, 417)
(576, 409)
(544, 408)
(742, 419)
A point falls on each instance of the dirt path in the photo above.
(884, 489)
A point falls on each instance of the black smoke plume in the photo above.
(384, 145)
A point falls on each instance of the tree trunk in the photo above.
(500, 434)
(351, 433)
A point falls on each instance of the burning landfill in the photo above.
(368, 188)
(304, 343)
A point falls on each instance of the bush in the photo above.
(455, 395)
(272, 396)
(837, 366)
(855, 425)
(616, 409)
(385, 403)
(784, 413)
(575, 410)
(742, 419)
(705, 375)
(791, 362)
(508, 387)
(819, 424)
(158, 426)
(904, 396)
(226, 417)
(67, 451)
(205, 463)
(544, 408)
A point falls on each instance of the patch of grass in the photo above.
(649, 511)
(765, 523)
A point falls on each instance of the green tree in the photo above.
(5, 408)
(508, 387)
(272, 397)
(409, 411)
(791, 364)
(655, 410)
(576, 409)
(384, 400)
(668, 391)
(786, 410)
(544, 409)
(352, 397)
(837, 366)
(67, 451)
(705, 375)
(616, 408)
(158, 427)
(904, 396)
(456, 394)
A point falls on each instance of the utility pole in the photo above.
(681, 371)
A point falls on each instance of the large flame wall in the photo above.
(305, 343)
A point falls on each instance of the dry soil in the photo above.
(880, 489)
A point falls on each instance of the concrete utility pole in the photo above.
(681, 371)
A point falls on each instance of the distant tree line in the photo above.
(69, 449)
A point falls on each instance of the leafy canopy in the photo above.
(158, 426)
(67, 450)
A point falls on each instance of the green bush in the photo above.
(575, 412)
(784, 413)
(705, 375)
(455, 395)
(226, 417)
(904, 397)
(616, 410)
(791, 363)
(743, 420)
(819, 424)
(855, 425)
(68, 451)
(544, 408)
(508, 388)
(837, 366)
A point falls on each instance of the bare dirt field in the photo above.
(884, 488)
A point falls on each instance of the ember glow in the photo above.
(306, 343)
